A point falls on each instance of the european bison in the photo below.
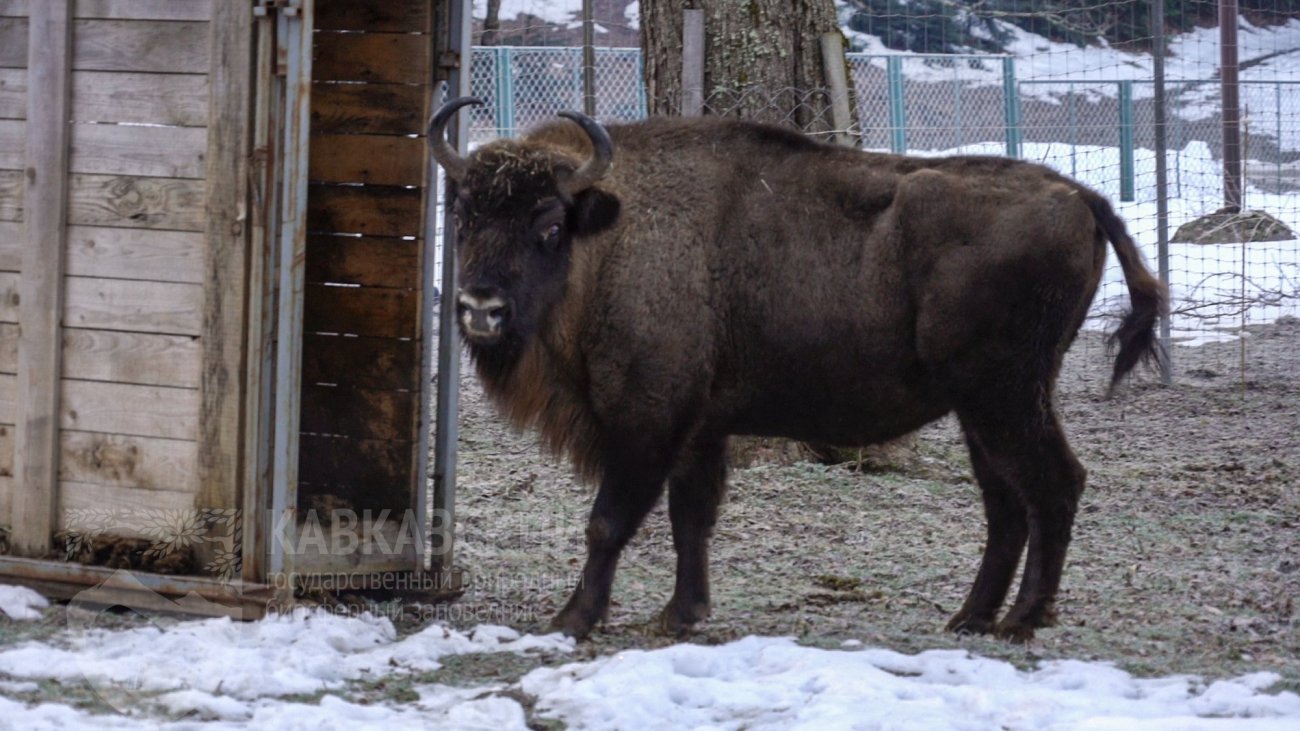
(638, 294)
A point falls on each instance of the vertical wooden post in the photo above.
(837, 79)
(225, 261)
(36, 470)
(692, 63)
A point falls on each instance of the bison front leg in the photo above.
(695, 490)
(627, 492)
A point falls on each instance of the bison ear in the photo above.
(594, 211)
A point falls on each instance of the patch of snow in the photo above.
(20, 603)
(771, 683)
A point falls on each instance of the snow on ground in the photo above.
(295, 671)
(21, 603)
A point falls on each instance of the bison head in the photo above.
(519, 206)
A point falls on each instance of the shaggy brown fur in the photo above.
(731, 278)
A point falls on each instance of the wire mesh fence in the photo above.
(1087, 110)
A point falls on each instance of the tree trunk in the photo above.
(491, 24)
(762, 59)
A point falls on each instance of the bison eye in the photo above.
(552, 235)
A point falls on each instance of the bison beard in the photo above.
(641, 293)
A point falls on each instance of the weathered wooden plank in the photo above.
(49, 81)
(125, 253)
(400, 58)
(373, 262)
(11, 195)
(13, 42)
(133, 202)
(127, 461)
(388, 363)
(13, 93)
(393, 16)
(107, 96)
(384, 313)
(10, 296)
(117, 304)
(370, 159)
(126, 357)
(8, 348)
(366, 473)
(8, 396)
(11, 246)
(225, 261)
(13, 144)
(145, 9)
(332, 460)
(385, 109)
(371, 209)
(113, 149)
(360, 413)
(118, 408)
(6, 451)
(136, 513)
(140, 45)
(13, 7)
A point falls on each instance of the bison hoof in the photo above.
(573, 624)
(1014, 632)
(677, 621)
(1019, 624)
(964, 624)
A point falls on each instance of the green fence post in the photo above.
(1126, 174)
(1011, 106)
(505, 92)
(897, 114)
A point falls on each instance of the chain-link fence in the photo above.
(1089, 112)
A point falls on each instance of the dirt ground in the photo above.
(1186, 557)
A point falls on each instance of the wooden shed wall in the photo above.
(145, 361)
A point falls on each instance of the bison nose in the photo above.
(482, 313)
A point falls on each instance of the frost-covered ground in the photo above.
(317, 670)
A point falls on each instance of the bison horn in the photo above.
(444, 153)
(602, 154)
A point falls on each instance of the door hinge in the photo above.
(264, 8)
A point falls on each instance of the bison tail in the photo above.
(1136, 336)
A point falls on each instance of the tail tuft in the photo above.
(1136, 336)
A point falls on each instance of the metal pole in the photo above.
(448, 388)
(1231, 104)
(588, 59)
(897, 112)
(1162, 175)
(1011, 108)
(295, 35)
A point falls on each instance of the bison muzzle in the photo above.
(638, 294)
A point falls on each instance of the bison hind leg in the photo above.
(1024, 447)
(695, 490)
(1007, 530)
